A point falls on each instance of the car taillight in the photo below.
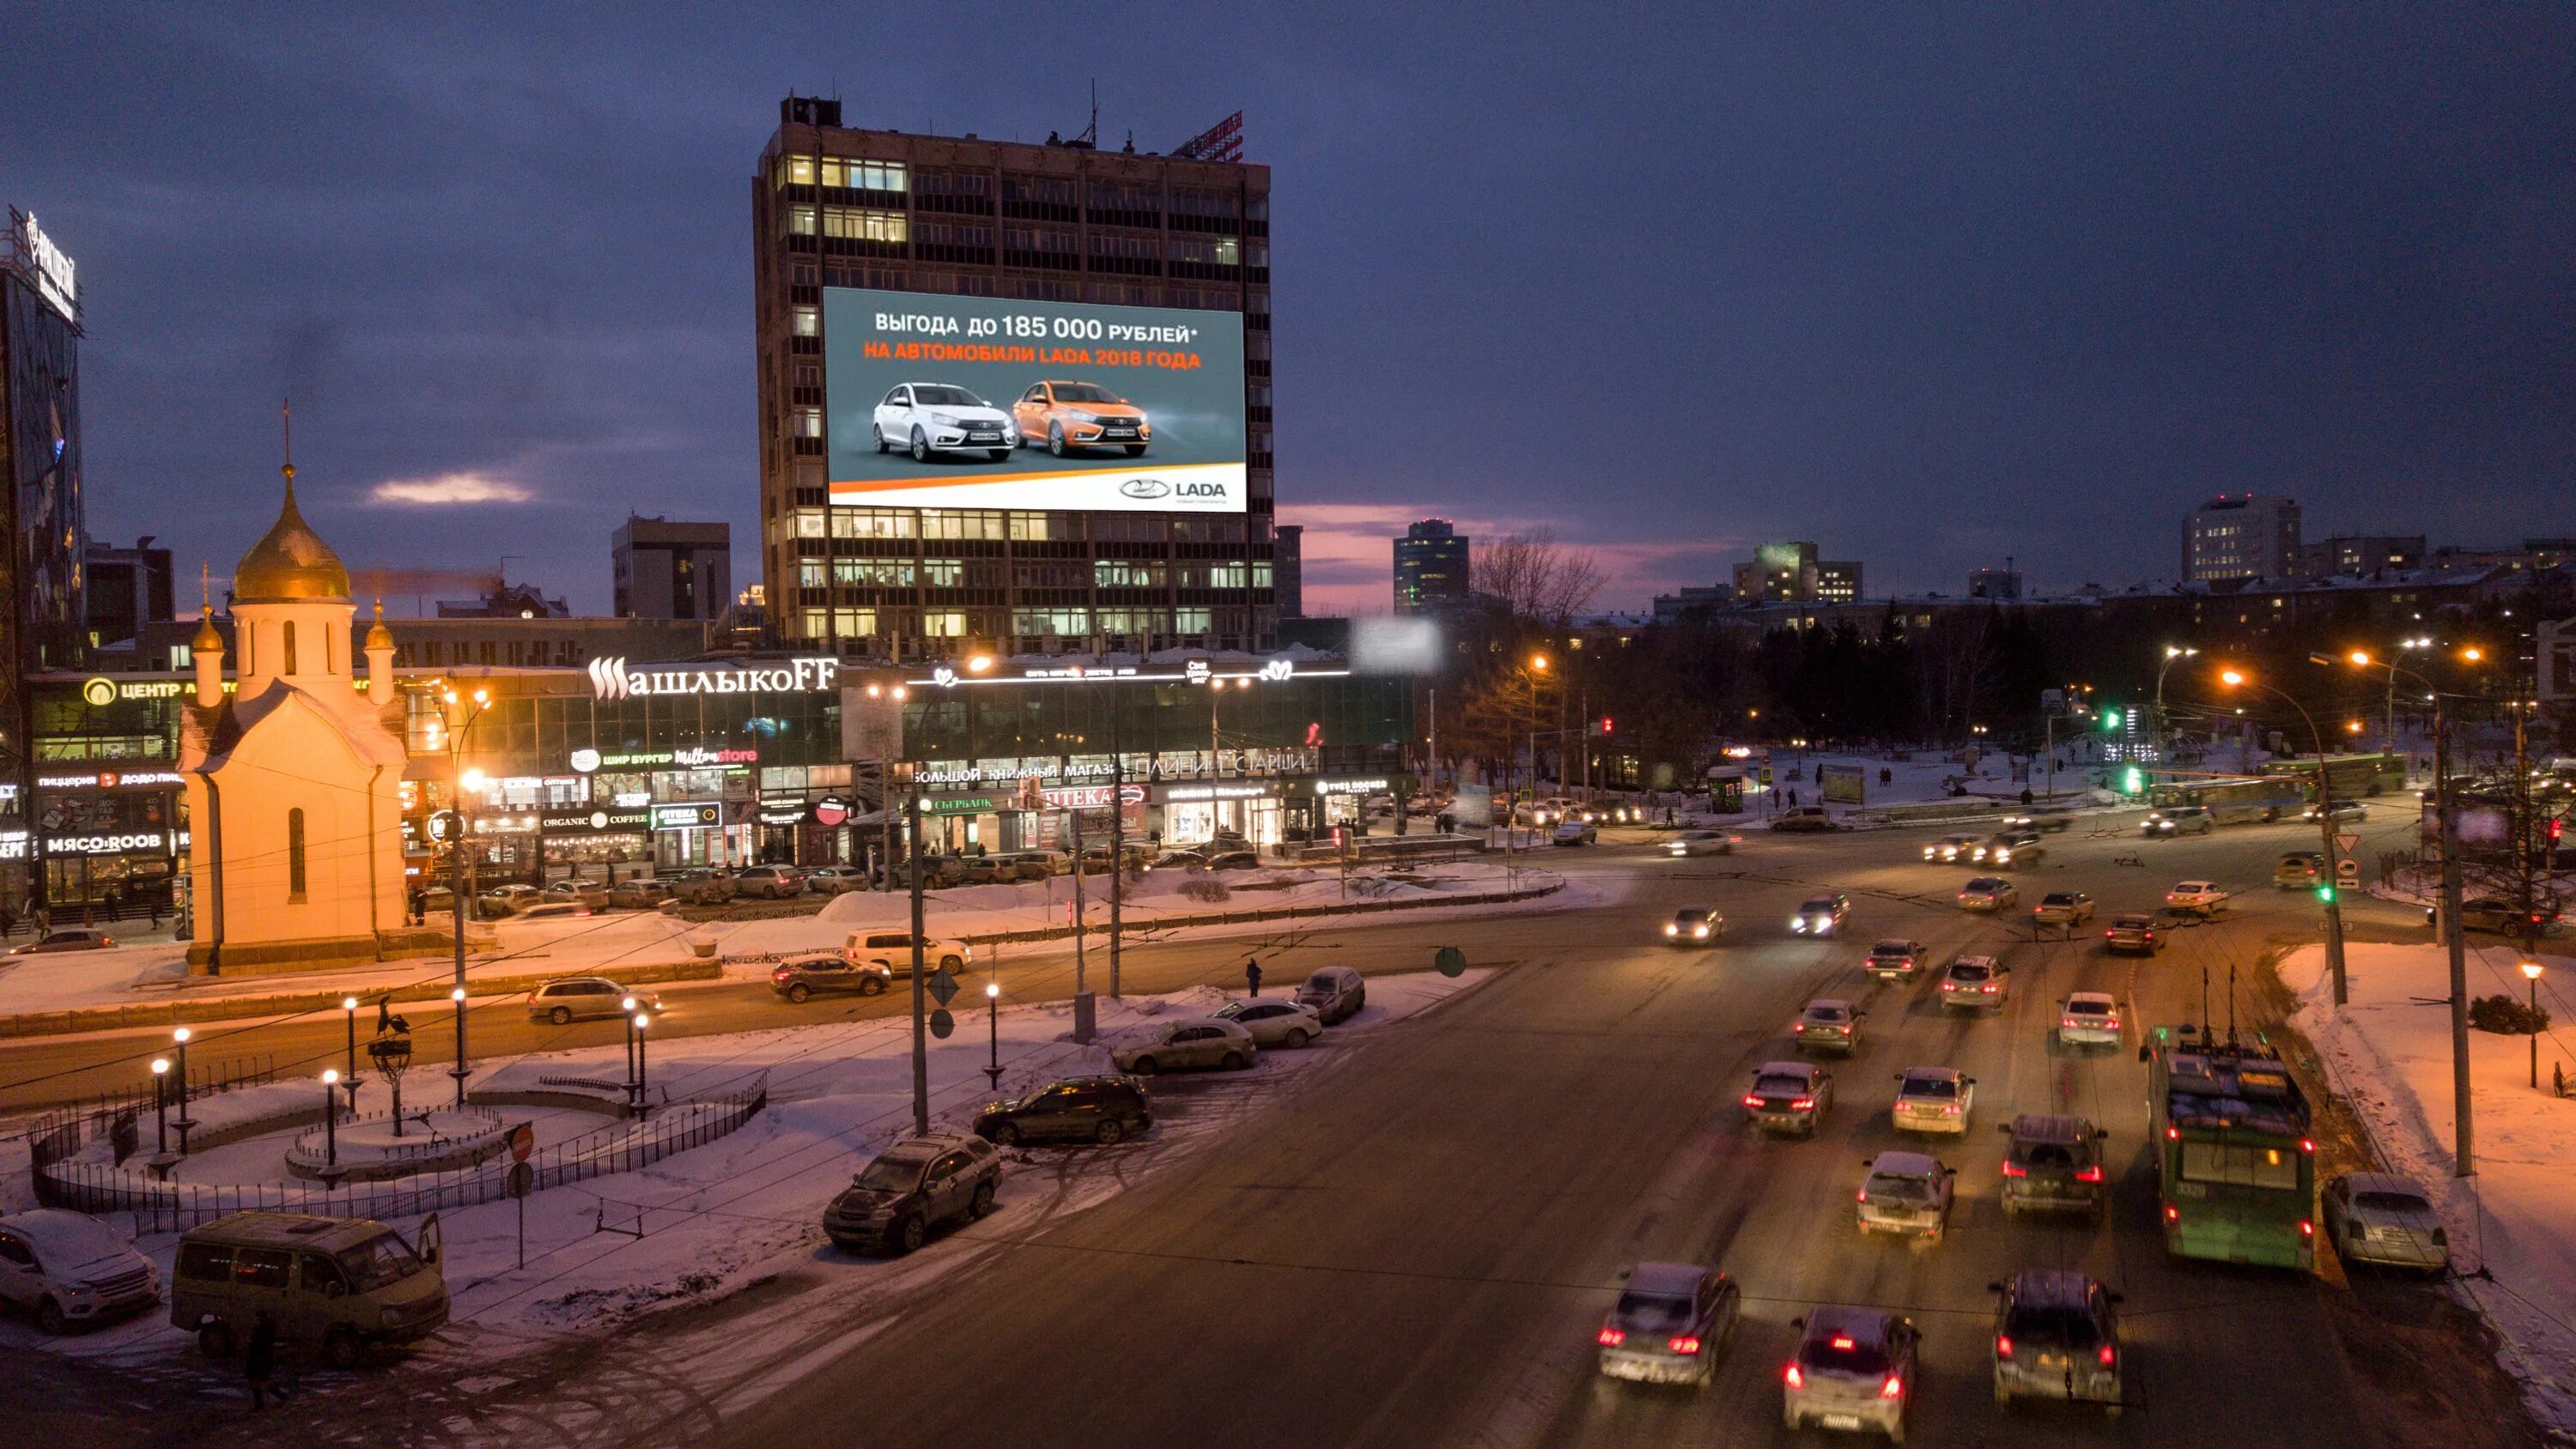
(2107, 935)
(2003, 1345)
(1793, 1378)
(1861, 1196)
(1988, 988)
(2107, 1357)
(2173, 1134)
(2307, 1229)
(1796, 1027)
(1894, 1388)
(1685, 1344)
(1753, 1102)
(2307, 1145)
(2112, 1025)
(2088, 1174)
(2172, 1214)
(2015, 1169)
(1612, 1337)
(1949, 985)
(1802, 1104)
(1949, 1109)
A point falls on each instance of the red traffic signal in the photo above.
(1605, 724)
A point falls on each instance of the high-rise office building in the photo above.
(2241, 536)
(1431, 567)
(1015, 394)
(667, 570)
(1790, 573)
(127, 588)
(1289, 576)
(43, 622)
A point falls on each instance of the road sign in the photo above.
(523, 1179)
(2347, 870)
(943, 987)
(1451, 961)
(2345, 843)
(523, 1140)
(941, 1023)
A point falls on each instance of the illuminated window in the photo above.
(811, 573)
(1192, 621)
(809, 321)
(944, 624)
(800, 220)
(872, 523)
(813, 622)
(943, 573)
(1074, 622)
(863, 175)
(854, 623)
(809, 422)
(809, 523)
(795, 171)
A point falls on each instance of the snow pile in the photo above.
(2389, 1055)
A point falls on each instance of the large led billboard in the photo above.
(977, 402)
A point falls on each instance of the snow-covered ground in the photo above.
(2389, 1054)
(747, 1208)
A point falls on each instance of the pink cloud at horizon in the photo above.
(1349, 554)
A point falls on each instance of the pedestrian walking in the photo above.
(2558, 1078)
(1252, 975)
(259, 1361)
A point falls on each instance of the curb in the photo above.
(229, 1008)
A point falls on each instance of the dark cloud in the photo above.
(1929, 286)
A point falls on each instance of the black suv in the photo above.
(2057, 1336)
(2054, 1165)
(1075, 1109)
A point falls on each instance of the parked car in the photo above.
(833, 880)
(588, 894)
(893, 951)
(2197, 897)
(1669, 1324)
(2503, 918)
(699, 886)
(2054, 1164)
(1695, 926)
(1038, 864)
(912, 1187)
(2299, 870)
(2133, 934)
(640, 893)
(2063, 908)
(1820, 915)
(1989, 893)
(1576, 832)
(1335, 992)
(344, 1284)
(1933, 1099)
(587, 998)
(1894, 959)
(2336, 810)
(2375, 1217)
(508, 900)
(1235, 860)
(1805, 817)
(1906, 1192)
(69, 1270)
(816, 973)
(1854, 1370)
(2177, 820)
(2089, 1018)
(1952, 847)
(768, 882)
(1700, 842)
(1789, 1097)
(1829, 1024)
(1075, 417)
(926, 419)
(1190, 1042)
(1976, 983)
(2057, 1336)
(1274, 1023)
(1099, 1109)
(74, 940)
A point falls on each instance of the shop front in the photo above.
(1196, 813)
(110, 839)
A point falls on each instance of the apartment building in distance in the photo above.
(1432, 567)
(2241, 536)
(1012, 395)
(662, 569)
(1791, 573)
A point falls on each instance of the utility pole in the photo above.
(920, 1021)
(1081, 973)
(2463, 1132)
(1117, 839)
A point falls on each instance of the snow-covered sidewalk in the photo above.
(2389, 1055)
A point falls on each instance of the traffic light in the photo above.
(2110, 719)
(2134, 782)
(1605, 726)
(2325, 892)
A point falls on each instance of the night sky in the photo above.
(1928, 289)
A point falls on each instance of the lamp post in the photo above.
(349, 1073)
(2531, 972)
(179, 1037)
(626, 1010)
(2172, 653)
(993, 1027)
(460, 780)
(458, 1071)
(641, 1021)
(161, 1106)
(2329, 891)
(330, 1123)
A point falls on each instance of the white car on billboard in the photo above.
(924, 418)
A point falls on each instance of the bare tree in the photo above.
(1537, 577)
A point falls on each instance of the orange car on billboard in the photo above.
(1078, 416)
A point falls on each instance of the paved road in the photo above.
(1416, 1249)
(1417, 1253)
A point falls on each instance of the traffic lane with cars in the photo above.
(1432, 1240)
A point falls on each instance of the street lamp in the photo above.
(330, 1123)
(458, 1071)
(2172, 653)
(471, 707)
(349, 1074)
(2531, 973)
(641, 1021)
(626, 1008)
(993, 1024)
(161, 1106)
(180, 1036)
(2326, 890)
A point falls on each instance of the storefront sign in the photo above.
(13, 845)
(1081, 797)
(1195, 671)
(111, 780)
(967, 805)
(99, 691)
(831, 810)
(157, 841)
(695, 757)
(596, 822)
(678, 817)
(1217, 792)
(584, 761)
(1372, 785)
(55, 275)
(782, 815)
(611, 679)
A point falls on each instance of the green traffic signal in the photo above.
(2110, 719)
(2326, 894)
(2134, 782)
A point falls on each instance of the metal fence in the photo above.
(169, 1207)
(204, 1080)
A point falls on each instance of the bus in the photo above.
(2236, 1157)
(2233, 799)
(2349, 776)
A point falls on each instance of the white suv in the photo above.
(923, 418)
(893, 951)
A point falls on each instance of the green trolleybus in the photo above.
(2235, 1158)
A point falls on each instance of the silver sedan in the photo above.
(1274, 1023)
(2378, 1217)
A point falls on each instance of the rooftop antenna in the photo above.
(2206, 1020)
(1091, 137)
(2231, 1005)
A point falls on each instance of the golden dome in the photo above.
(207, 640)
(290, 562)
(380, 637)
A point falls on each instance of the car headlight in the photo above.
(1797, 923)
(1080, 416)
(1701, 931)
(1671, 930)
